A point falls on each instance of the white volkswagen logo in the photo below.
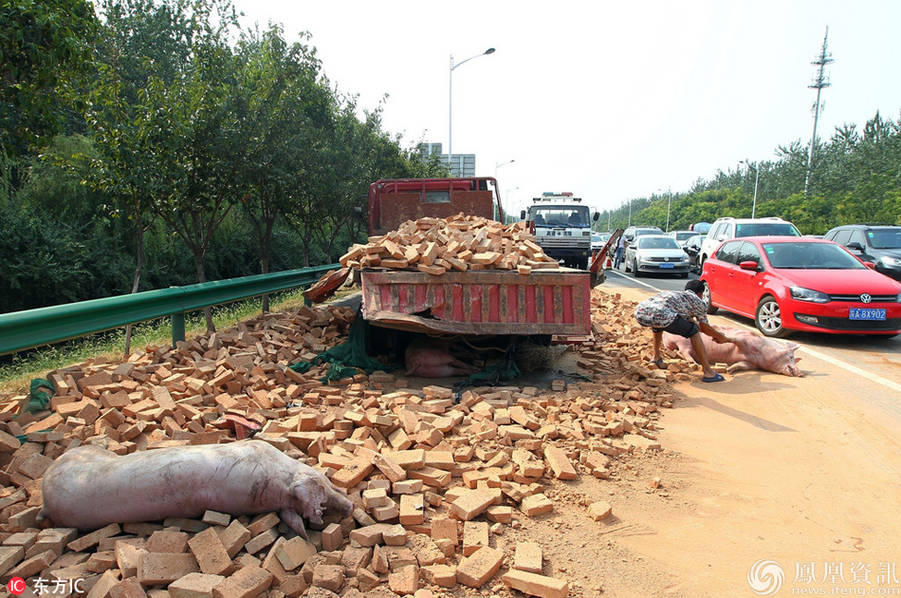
(766, 577)
(865, 298)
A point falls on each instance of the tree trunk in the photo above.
(139, 266)
(200, 267)
(264, 269)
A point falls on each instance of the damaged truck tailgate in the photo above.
(547, 302)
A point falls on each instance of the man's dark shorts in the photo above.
(680, 326)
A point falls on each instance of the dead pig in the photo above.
(752, 351)
(89, 487)
(429, 358)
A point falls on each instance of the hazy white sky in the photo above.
(610, 100)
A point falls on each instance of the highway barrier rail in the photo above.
(34, 327)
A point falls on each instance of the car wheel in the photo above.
(635, 269)
(769, 318)
(711, 308)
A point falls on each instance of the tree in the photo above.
(44, 46)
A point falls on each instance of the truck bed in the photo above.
(489, 302)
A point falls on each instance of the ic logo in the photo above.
(865, 298)
(16, 586)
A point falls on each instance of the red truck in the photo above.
(554, 302)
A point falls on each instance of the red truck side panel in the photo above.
(491, 302)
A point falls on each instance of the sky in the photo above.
(608, 100)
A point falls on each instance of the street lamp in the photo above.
(756, 178)
(630, 212)
(450, 101)
(499, 164)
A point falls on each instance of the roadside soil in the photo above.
(762, 466)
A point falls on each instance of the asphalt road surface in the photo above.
(873, 359)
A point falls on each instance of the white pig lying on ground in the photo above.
(752, 351)
(89, 487)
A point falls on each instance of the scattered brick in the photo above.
(599, 510)
(194, 585)
(536, 585)
(475, 570)
(527, 557)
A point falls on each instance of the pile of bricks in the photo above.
(460, 243)
(435, 481)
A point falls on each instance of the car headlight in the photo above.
(888, 260)
(802, 294)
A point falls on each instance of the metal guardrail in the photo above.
(34, 327)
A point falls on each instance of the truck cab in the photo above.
(562, 226)
(394, 201)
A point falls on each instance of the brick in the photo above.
(100, 562)
(29, 567)
(332, 537)
(444, 528)
(563, 469)
(262, 523)
(35, 466)
(405, 580)
(167, 541)
(379, 562)
(216, 518)
(330, 577)
(24, 539)
(103, 585)
(258, 543)
(599, 510)
(411, 459)
(248, 582)
(471, 505)
(528, 557)
(353, 473)
(8, 443)
(475, 536)
(391, 468)
(292, 586)
(426, 551)
(9, 557)
(234, 537)
(84, 542)
(431, 476)
(160, 568)
(439, 575)
(367, 580)
(375, 497)
(475, 570)
(24, 519)
(53, 538)
(294, 553)
(195, 585)
(355, 557)
(128, 588)
(500, 514)
(394, 535)
(407, 487)
(533, 584)
(537, 504)
(128, 557)
(210, 553)
(412, 509)
(271, 562)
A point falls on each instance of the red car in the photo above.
(801, 283)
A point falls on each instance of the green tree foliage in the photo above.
(200, 152)
(856, 177)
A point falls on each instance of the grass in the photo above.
(16, 371)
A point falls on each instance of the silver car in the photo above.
(656, 253)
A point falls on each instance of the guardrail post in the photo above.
(178, 328)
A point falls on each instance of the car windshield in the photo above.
(810, 256)
(885, 238)
(766, 229)
(574, 216)
(682, 236)
(657, 243)
(647, 231)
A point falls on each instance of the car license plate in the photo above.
(863, 313)
(667, 265)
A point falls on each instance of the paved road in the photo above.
(868, 359)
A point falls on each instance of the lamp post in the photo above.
(450, 101)
(669, 198)
(756, 179)
(499, 164)
(630, 213)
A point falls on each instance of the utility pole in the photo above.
(819, 82)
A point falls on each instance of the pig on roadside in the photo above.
(752, 351)
(89, 487)
(428, 358)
